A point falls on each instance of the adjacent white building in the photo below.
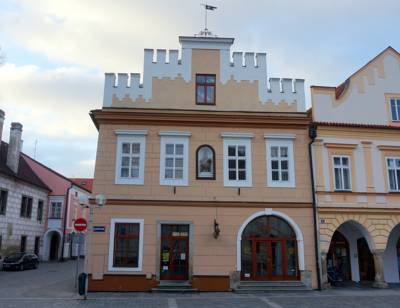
(23, 198)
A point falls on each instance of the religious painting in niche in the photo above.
(205, 162)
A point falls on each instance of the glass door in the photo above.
(260, 255)
(174, 258)
(276, 260)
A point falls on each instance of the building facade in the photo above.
(357, 166)
(206, 172)
(23, 198)
(60, 240)
(34, 201)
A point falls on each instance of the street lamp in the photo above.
(84, 201)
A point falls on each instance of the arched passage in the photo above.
(391, 256)
(52, 245)
(270, 247)
(350, 254)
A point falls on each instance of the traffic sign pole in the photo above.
(80, 225)
(77, 261)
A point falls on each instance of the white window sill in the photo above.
(238, 184)
(125, 269)
(342, 190)
(281, 184)
(129, 182)
(174, 183)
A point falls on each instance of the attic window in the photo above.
(395, 108)
(205, 89)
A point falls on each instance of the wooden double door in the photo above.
(270, 259)
(174, 252)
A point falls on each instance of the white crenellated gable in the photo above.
(239, 67)
(365, 98)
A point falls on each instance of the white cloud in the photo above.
(53, 106)
(322, 41)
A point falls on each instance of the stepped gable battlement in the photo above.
(236, 66)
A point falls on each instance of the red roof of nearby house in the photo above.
(336, 124)
(86, 183)
(24, 173)
(39, 164)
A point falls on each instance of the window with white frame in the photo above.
(126, 245)
(393, 167)
(174, 158)
(280, 161)
(55, 210)
(395, 108)
(341, 171)
(130, 157)
(237, 161)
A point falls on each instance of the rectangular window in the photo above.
(393, 167)
(40, 211)
(26, 207)
(280, 161)
(341, 170)
(395, 108)
(3, 201)
(55, 210)
(23, 243)
(130, 157)
(174, 160)
(126, 245)
(237, 162)
(205, 89)
(37, 245)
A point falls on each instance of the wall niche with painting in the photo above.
(205, 163)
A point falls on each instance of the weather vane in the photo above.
(207, 7)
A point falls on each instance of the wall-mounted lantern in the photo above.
(216, 229)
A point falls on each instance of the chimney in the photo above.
(1, 124)
(14, 146)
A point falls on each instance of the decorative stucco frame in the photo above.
(271, 212)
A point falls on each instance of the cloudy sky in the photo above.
(57, 51)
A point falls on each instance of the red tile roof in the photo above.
(356, 125)
(24, 173)
(86, 183)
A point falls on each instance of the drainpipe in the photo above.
(312, 133)
(65, 223)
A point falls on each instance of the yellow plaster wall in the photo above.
(201, 190)
(210, 256)
(378, 225)
(179, 94)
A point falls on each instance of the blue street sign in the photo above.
(99, 228)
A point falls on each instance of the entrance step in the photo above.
(171, 286)
(265, 286)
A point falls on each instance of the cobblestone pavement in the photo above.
(53, 286)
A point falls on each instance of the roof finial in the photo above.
(207, 7)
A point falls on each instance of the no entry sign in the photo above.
(80, 224)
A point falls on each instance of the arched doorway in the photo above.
(54, 246)
(269, 250)
(350, 254)
(338, 258)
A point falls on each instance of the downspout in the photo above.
(312, 133)
(65, 223)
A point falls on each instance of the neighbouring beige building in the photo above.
(357, 167)
(205, 167)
